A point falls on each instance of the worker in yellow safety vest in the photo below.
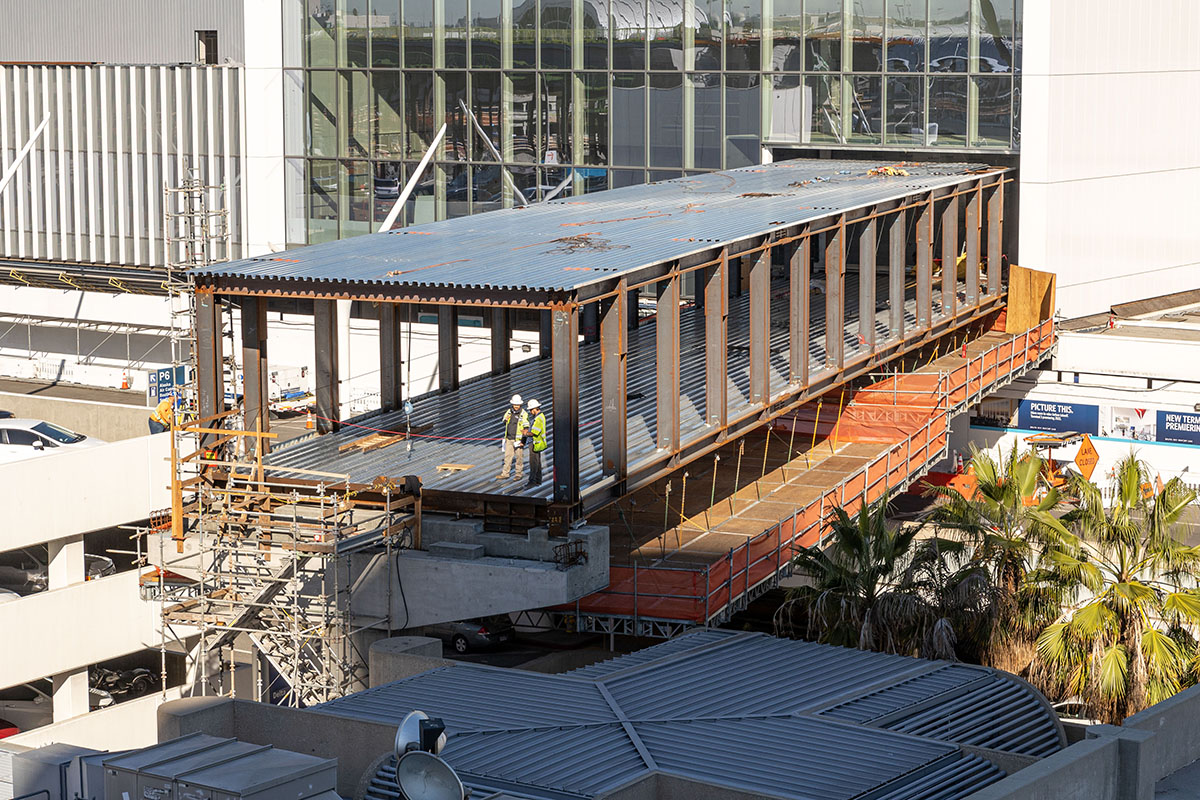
(537, 432)
(164, 414)
(515, 423)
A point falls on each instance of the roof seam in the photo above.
(634, 739)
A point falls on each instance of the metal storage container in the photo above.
(121, 773)
(263, 775)
(161, 776)
(56, 769)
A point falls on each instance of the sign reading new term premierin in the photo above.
(1179, 427)
(1051, 415)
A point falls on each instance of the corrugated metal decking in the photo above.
(745, 711)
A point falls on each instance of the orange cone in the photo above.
(309, 424)
(124, 380)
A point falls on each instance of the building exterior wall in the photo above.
(1109, 166)
(92, 188)
(609, 93)
(121, 31)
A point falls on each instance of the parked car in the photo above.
(31, 705)
(24, 571)
(26, 438)
(474, 634)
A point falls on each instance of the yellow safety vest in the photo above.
(538, 430)
(522, 424)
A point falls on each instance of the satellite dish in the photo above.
(418, 732)
(424, 776)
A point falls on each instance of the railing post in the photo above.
(635, 599)
(707, 594)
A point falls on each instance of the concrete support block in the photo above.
(445, 528)
(456, 550)
(402, 656)
(65, 566)
(70, 694)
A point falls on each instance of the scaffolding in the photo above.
(263, 561)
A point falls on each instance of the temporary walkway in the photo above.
(772, 285)
(693, 548)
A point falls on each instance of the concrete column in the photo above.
(70, 694)
(65, 562)
(343, 361)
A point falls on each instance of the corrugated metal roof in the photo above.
(740, 710)
(567, 244)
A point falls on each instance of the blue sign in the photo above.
(1179, 427)
(1058, 417)
(163, 381)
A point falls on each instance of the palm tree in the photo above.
(875, 587)
(1128, 639)
(1005, 524)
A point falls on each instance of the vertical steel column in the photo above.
(614, 350)
(897, 256)
(716, 348)
(760, 326)
(835, 291)
(565, 371)
(545, 333)
(974, 204)
(798, 319)
(631, 313)
(501, 336)
(995, 212)
(925, 266)
(391, 357)
(667, 367)
(866, 284)
(325, 380)
(447, 348)
(255, 402)
(950, 257)
(210, 373)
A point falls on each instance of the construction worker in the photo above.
(537, 433)
(515, 423)
(163, 415)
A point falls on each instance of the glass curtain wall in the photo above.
(574, 96)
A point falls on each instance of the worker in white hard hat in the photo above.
(515, 423)
(537, 435)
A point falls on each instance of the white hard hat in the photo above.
(516, 400)
(534, 404)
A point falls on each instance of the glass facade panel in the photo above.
(485, 34)
(599, 93)
(418, 33)
(865, 26)
(385, 33)
(823, 35)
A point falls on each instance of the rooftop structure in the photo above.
(743, 712)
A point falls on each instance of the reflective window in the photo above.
(629, 119)
(866, 109)
(486, 102)
(905, 36)
(593, 149)
(995, 31)
(949, 23)
(523, 116)
(664, 29)
(706, 124)
(743, 110)
(456, 145)
(454, 38)
(787, 108)
(709, 30)
(418, 33)
(904, 123)
(628, 29)
(485, 33)
(555, 145)
(627, 177)
(823, 35)
(322, 201)
(993, 99)
(322, 113)
(524, 34)
(743, 36)
(385, 33)
(823, 95)
(666, 120)
(322, 28)
(418, 113)
(355, 21)
(356, 125)
(594, 23)
(458, 190)
(355, 205)
(787, 35)
(389, 181)
(865, 25)
(947, 112)
(387, 117)
(556, 33)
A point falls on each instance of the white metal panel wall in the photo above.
(1110, 159)
(92, 189)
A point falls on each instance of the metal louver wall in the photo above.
(91, 189)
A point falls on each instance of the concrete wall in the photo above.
(54, 496)
(108, 421)
(123, 726)
(404, 656)
(62, 630)
(1109, 166)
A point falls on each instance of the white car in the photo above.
(26, 438)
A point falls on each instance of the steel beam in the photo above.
(447, 348)
(614, 351)
(210, 373)
(501, 337)
(866, 284)
(255, 398)
(995, 236)
(716, 347)
(667, 367)
(760, 326)
(391, 356)
(925, 265)
(974, 205)
(798, 319)
(326, 378)
(565, 371)
(897, 258)
(835, 290)
(950, 257)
